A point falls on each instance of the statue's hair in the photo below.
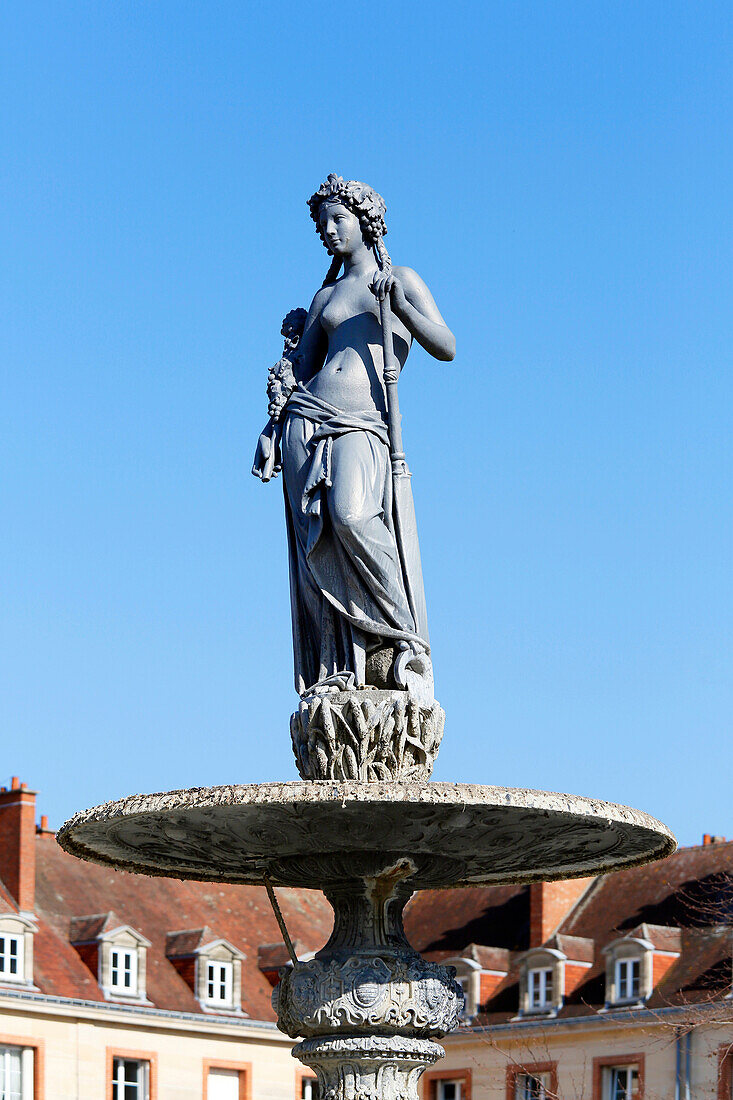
(368, 206)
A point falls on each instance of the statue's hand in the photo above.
(387, 283)
(264, 465)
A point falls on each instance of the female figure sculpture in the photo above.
(356, 587)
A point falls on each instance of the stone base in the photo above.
(370, 1067)
(368, 734)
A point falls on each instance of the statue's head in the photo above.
(360, 199)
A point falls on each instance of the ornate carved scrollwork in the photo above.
(401, 994)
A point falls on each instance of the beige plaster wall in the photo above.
(75, 1055)
(75, 1044)
(575, 1051)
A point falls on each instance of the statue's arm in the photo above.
(313, 345)
(415, 306)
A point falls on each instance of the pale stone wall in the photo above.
(75, 1042)
(75, 1039)
(574, 1049)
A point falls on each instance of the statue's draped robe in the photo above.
(348, 585)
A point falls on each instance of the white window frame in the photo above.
(624, 974)
(220, 983)
(440, 1090)
(531, 1086)
(119, 969)
(16, 1060)
(12, 963)
(119, 1084)
(616, 1089)
(537, 984)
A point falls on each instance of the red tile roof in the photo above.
(68, 889)
(684, 902)
(449, 920)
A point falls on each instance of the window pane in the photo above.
(222, 1084)
(129, 1079)
(540, 988)
(309, 1089)
(11, 956)
(219, 981)
(634, 977)
(449, 1090)
(530, 1087)
(623, 1083)
(10, 1073)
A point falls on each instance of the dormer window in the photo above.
(11, 958)
(122, 963)
(211, 967)
(541, 981)
(637, 962)
(16, 949)
(539, 989)
(479, 971)
(115, 953)
(628, 979)
(219, 984)
(123, 970)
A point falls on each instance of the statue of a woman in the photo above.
(356, 586)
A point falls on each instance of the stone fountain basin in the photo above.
(318, 832)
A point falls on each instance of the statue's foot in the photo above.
(337, 681)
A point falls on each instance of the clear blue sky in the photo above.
(560, 174)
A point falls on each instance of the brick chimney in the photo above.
(18, 843)
(549, 904)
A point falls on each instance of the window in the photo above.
(123, 971)
(11, 1073)
(531, 1086)
(222, 1084)
(539, 987)
(621, 1083)
(309, 1088)
(448, 1090)
(219, 983)
(227, 1080)
(130, 1079)
(628, 979)
(11, 958)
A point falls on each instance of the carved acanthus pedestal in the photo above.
(369, 734)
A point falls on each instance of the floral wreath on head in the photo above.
(361, 199)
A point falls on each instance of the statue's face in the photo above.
(341, 229)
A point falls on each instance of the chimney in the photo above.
(18, 843)
(549, 904)
(708, 839)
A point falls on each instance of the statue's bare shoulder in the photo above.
(417, 293)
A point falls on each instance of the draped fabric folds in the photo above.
(347, 583)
